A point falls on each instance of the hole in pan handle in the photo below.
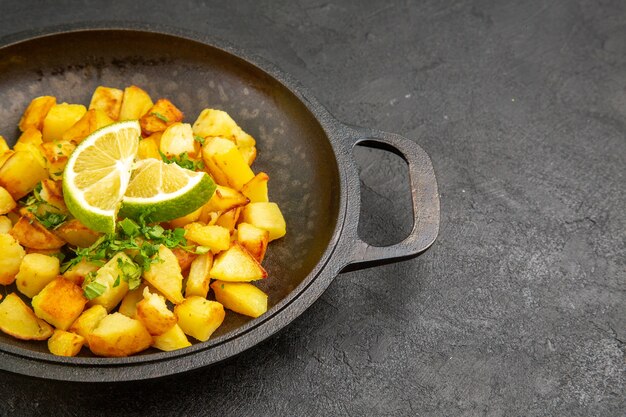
(424, 198)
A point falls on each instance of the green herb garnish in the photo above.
(160, 116)
(183, 161)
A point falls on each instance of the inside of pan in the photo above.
(292, 147)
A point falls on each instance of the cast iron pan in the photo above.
(308, 154)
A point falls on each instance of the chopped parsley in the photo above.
(199, 139)
(183, 161)
(40, 209)
(160, 116)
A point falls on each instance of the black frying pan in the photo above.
(307, 153)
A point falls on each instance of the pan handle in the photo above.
(424, 196)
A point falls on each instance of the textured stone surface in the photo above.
(519, 307)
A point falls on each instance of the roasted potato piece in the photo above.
(31, 234)
(3, 145)
(11, 259)
(6, 201)
(159, 117)
(199, 317)
(128, 306)
(63, 343)
(5, 224)
(215, 237)
(253, 239)
(154, 314)
(91, 121)
(149, 148)
(60, 118)
(185, 220)
(166, 276)
(57, 154)
(256, 188)
(88, 320)
(21, 172)
(135, 103)
(172, 339)
(265, 216)
(178, 139)
(212, 123)
(225, 163)
(237, 265)
(30, 136)
(59, 303)
(225, 198)
(117, 335)
(18, 320)
(77, 273)
(110, 276)
(184, 258)
(77, 234)
(240, 297)
(199, 276)
(107, 99)
(228, 219)
(52, 193)
(36, 271)
(36, 112)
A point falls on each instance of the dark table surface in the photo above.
(519, 307)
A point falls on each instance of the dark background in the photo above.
(519, 307)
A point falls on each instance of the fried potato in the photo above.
(240, 297)
(228, 219)
(18, 320)
(178, 139)
(107, 99)
(185, 220)
(266, 216)
(36, 271)
(199, 317)
(149, 148)
(237, 265)
(52, 193)
(3, 145)
(56, 155)
(225, 163)
(87, 321)
(117, 335)
(11, 259)
(63, 343)
(172, 339)
(110, 276)
(91, 121)
(59, 303)
(21, 172)
(215, 237)
(135, 103)
(166, 276)
(128, 306)
(161, 115)
(77, 234)
(226, 198)
(60, 118)
(253, 239)
(6, 201)
(256, 188)
(154, 314)
(199, 276)
(77, 273)
(32, 234)
(36, 112)
(5, 224)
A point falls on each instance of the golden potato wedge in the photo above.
(256, 188)
(59, 303)
(77, 234)
(5, 224)
(60, 118)
(199, 276)
(32, 234)
(110, 280)
(154, 314)
(159, 117)
(63, 343)
(149, 148)
(29, 136)
(228, 219)
(91, 121)
(52, 193)
(21, 172)
(107, 99)
(18, 320)
(36, 271)
(265, 216)
(225, 198)
(225, 163)
(172, 339)
(237, 265)
(178, 139)
(11, 259)
(184, 258)
(88, 320)
(240, 297)
(77, 273)
(253, 239)
(117, 335)
(135, 103)
(199, 317)
(6, 201)
(166, 276)
(56, 155)
(215, 237)
(128, 306)
(36, 112)
(212, 123)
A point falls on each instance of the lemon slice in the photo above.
(97, 174)
(166, 190)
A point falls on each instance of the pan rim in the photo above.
(322, 274)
